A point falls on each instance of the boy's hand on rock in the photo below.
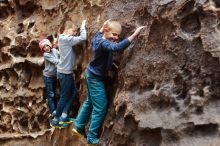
(138, 30)
(84, 23)
(135, 34)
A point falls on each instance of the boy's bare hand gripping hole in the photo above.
(136, 33)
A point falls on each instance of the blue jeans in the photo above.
(67, 94)
(95, 104)
(50, 85)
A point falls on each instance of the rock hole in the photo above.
(199, 110)
(28, 8)
(18, 51)
(5, 9)
(24, 124)
(191, 24)
(34, 102)
(170, 135)
(4, 57)
(8, 103)
(6, 41)
(207, 129)
(20, 28)
(35, 127)
(182, 93)
(202, 130)
(149, 86)
(130, 123)
(41, 118)
(150, 137)
(34, 124)
(22, 104)
(208, 81)
(31, 24)
(217, 3)
(186, 9)
(33, 49)
(16, 101)
(121, 111)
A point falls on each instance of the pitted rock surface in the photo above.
(166, 89)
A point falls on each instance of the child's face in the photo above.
(46, 48)
(112, 34)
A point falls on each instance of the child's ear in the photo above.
(106, 29)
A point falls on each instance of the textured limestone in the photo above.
(168, 84)
(165, 93)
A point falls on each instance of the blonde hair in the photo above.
(113, 25)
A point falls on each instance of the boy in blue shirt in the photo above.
(51, 59)
(66, 44)
(96, 103)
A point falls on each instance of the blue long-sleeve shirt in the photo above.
(102, 53)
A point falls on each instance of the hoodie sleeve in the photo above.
(49, 57)
(57, 52)
(74, 40)
(115, 47)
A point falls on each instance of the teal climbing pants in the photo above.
(95, 106)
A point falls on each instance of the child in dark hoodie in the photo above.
(96, 103)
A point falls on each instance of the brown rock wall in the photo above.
(166, 91)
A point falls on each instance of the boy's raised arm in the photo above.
(108, 45)
(74, 40)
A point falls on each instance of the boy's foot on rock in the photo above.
(56, 124)
(79, 133)
(66, 120)
(93, 141)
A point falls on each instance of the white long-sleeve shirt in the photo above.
(66, 45)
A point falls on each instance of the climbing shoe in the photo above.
(56, 124)
(78, 132)
(92, 141)
(66, 120)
